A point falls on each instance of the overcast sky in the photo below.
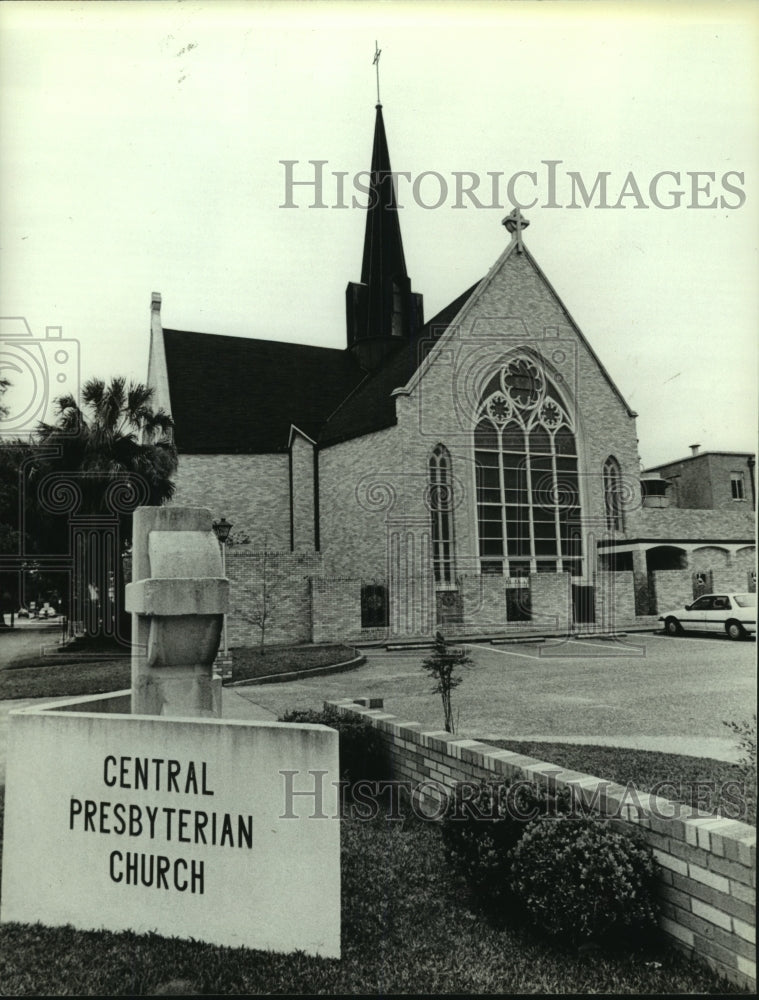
(141, 149)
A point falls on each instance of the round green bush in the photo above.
(580, 880)
(482, 824)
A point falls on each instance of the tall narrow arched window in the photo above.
(441, 506)
(528, 500)
(613, 495)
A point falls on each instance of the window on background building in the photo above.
(441, 506)
(528, 498)
(613, 494)
(737, 486)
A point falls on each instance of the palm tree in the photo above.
(103, 458)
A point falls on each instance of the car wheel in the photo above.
(673, 627)
(735, 630)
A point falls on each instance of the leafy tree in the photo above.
(113, 453)
(442, 666)
(11, 456)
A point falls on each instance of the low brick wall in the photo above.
(615, 599)
(670, 589)
(707, 865)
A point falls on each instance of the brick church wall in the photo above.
(288, 596)
(302, 467)
(551, 598)
(251, 491)
(483, 601)
(677, 523)
(670, 589)
(744, 562)
(336, 609)
(615, 599)
(709, 557)
(360, 490)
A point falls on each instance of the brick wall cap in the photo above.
(591, 781)
(729, 829)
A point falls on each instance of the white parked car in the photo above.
(731, 613)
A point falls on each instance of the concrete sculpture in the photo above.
(177, 599)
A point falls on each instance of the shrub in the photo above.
(484, 822)
(441, 666)
(745, 736)
(361, 751)
(580, 880)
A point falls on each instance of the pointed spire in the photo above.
(383, 246)
(382, 308)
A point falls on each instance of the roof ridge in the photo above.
(254, 340)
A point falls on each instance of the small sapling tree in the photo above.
(441, 666)
(259, 608)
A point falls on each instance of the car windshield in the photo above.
(745, 600)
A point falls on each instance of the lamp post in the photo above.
(221, 530)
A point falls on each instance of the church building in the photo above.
(477, 472)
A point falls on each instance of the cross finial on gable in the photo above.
(515, 222)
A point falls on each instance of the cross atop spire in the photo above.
(515, 222)
(375, 62)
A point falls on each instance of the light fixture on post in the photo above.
(222, 529)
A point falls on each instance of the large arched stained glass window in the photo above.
(528, 501)
(440, 497)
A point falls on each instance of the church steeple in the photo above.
(381, 309)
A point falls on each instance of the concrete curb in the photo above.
(398, 645)
(296, 675)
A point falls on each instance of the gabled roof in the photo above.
(469, 299)
(236, 395)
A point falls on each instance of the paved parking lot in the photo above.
(646, 691)
(649, 691)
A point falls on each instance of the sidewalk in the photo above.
(236, 704)
(29, 639)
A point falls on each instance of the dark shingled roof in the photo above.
(371, 407)
(235, 395)
(232, 395)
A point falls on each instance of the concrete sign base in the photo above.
(221, 831)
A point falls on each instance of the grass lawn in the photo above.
(43, 679)
(70, 673)
(409, 927)
(693, 780)
(250, 662)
